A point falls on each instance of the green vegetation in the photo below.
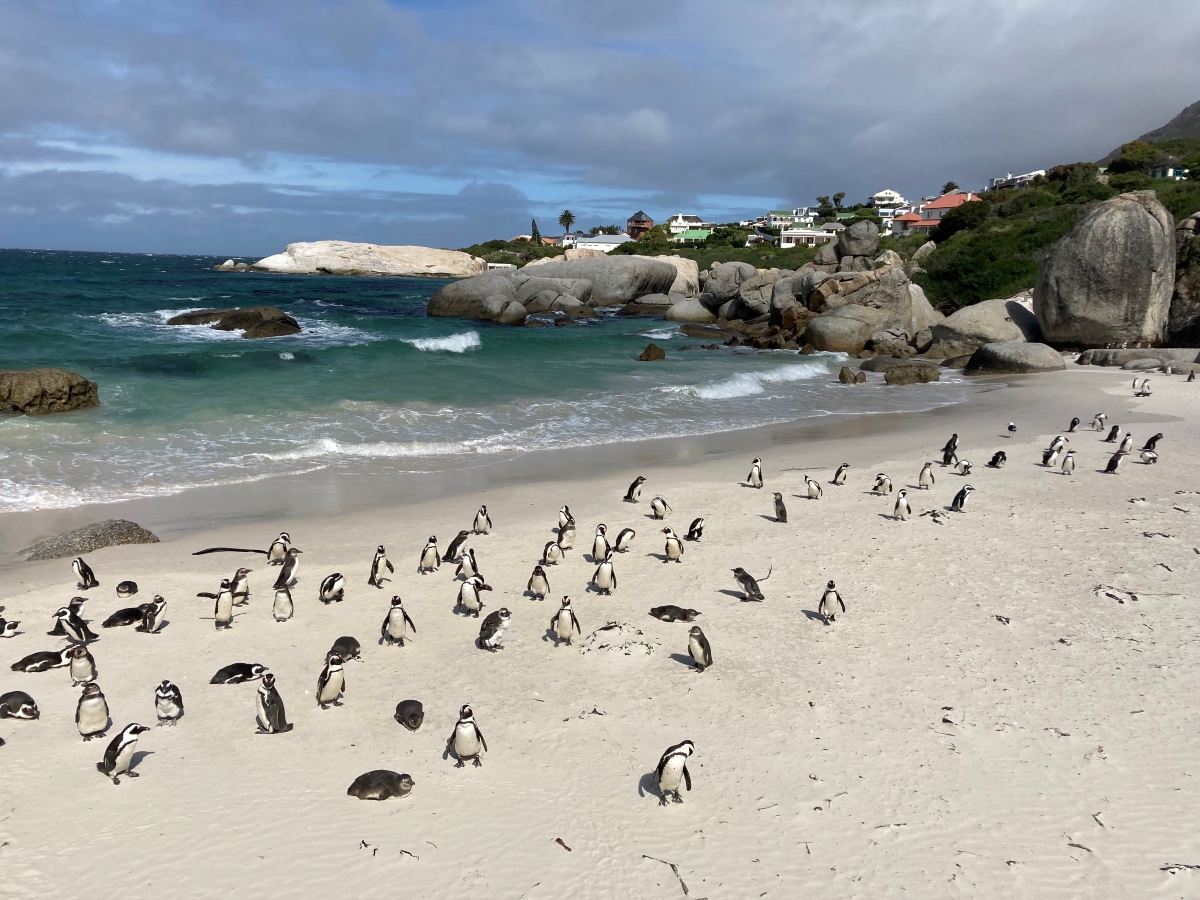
(566, 220)
(727, 243)
(536, 236)
(518, 253)
(950, 186)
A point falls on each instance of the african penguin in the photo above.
(1050, 457)
(659, 507)
(1068, 463)
(378, 564)
(168, 703)
(87, 579)
(624, 539)
(347, 647)
(1113, 434)
(564, 624)
(239, 586)
(565, 518)
(1126, 443)
(674, 614)
(18, 705)
(1059, 442)
(1149, 457)
(75, 606)
(483, 523)
(1074, 426)
(695, 530)
(600, 545)
(466, 741)
(960, 499)
(8, 627)
(1113, 463)
(566, 537)
(755, 478)
(237, 673)
(132, 615)
(999, 458)
(538, 584)
(83, 666)
(926, 479)
(672, 551)
(491, 632)
(468, 595)
(468, 566)
(604, 579)
(634, 494)
(333, 589)
(331, 683)
(1152, 443)
(780, 509)
(814, 488)
(831, 601)
(430, 558)
(672, 771)
(91, 713)
(963, 467)
(118, 757)
(154, 618)
(454, 551)
(749, 584)
(381, 784)
(1012, 429)
(949, 458)
(883, 484)
(43, 660)
(291, 565)
(902, 510)
(127, 589)
(839, 477)
(269, 710)
(551, 553)
(277, 552)
(283, 608)
(410, 714)
(1098, 421)
(74, 627)
(223, 607)
(394, 623)
(952, 444)
(699, 648)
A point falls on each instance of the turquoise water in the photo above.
(371, 380)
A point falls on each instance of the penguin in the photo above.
(468, 596)
(8, 627)
(269, 710)
(127, 589)
(814, 488)
(699, 648)
(378, 564)
(1149, 457)
(430, 558)
(564, 624)
(239, 586)
(659, 507)
(18, 705)
(43, 660)
(1113, 434)
(963, 467)
(926, 479)
(949, 458)
(565, 518)
(1126, 443)
(331, 683)
(672, 551)
(755, 479)
(999, 458)
(1191, 376)
(466, 741)
(1068, 463)
(83, 665)
(1113, 463)
(1135, 387)
(634, 494)
(604, 579)
(283, 608)
(153, 618)
(674, 614)
(483, 523)
(381, 784)
(393, 627)
(410, 714)
(87, 579)
(672, 771)
(566, 537)
(831, 600)
(168, 703)
(223, 607)
(131, 615)
(952, 444)
(538, 584)
(960, 499)
(1144, 390)
(1098, 421)
(91, 713)
(624, 539)
(883, 484)
(73, 627)
(454, 551)
(291, 565)
(695, 530)
(839, 477)
(468, 566)
(551, 554)
(347, 647)
(780, 509)
(1059, 443)
(1012, 429)
(901, 510)
(1074, 426)
(1152, 443)
(333, 589)
(277, 552)
(491, 632)
(600, 545)
(237, 673)
(749, 584)
(118, 757)
(1050, 457)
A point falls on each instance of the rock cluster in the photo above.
(108, 533)
(347, 258)
(252, 321)
(38, 392)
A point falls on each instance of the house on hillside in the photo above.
(805, 237)
(680, 222)
(923, 219)
(638, 224)
(1014, 181)
(1173, 171)
(605, 243)
(692, 235)
(887, 199)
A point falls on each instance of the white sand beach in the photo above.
(1006, 708)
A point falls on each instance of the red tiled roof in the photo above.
(908, 217)
(949, 201)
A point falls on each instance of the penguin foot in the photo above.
(478, 763)
(459, 765)
(133, 774)
(662, 800)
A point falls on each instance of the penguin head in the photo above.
(483, 510)
(756, 462)
(27, 710)
(268, 680)
(433, 539)
(258, 670)
(165, 687)
(294, 551)
(687, 748)
(505, 615)
(285, 537)
(601, 528)
(79, 652)
(464, 533)
(566, 602)
(778, 496)
(669, 532)
(224, 584)
(396, 602)
(695, 631)
(739, 572)
(830, 586)
(63, 613)
(10, 628)
(133, 730)
(76, 603)
(379, 549)
(333, 661)
(90, 689)
(465, 713)
(903, 492)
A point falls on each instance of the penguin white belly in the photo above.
(539, 587)
(469, 598)
(674, 550)
(697, 652)
(93, 717)
(599, 548)
(124, 758)
(566, 539)
(672, 774)
(496, 638)
(563, 626)
(466, 741)
(260, 713)
(481, 524)
(223, 610)
(82, 670)
(395, 627)
(429, 559)
(604, 578)
(166, 709)
(283, 608)
(332, 689)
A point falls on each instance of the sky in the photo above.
(235, 127)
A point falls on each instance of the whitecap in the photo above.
(662, 334)
(454, 343)
(747, 384)
(287, 355)
(326, 447)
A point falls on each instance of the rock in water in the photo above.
(109, 533)
(252, 321)
(38, 392)
(690, 310)
(615, 279)
(911, 373)
(860, 239)
(652, 352)
(1013, 359)
(1110, 280)
(347, 258)
(483, 297)
(846, 329)
(845, 376)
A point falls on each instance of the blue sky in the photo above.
(233, 128)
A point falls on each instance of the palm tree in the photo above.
(949, 186)
(566, 220)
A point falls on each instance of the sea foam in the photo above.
(454, 343)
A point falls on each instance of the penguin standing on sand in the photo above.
(901, 510)
(1050, 457)
(926, 479)
(755, 479)
(1114, 463)
(73, 627)
(283, 608)
(331, 683)
(952, 444)
(566, 537)
(394, 624)
(999, 458)
(76, 608)
(672, 551)
(780, 509)
(831, 601)
(960, 499)
(600, 546)
(814, 488)
(483, 522)
(1074, 426)
(1126, 443)
(277, 552)
(239, 586)
(749, 584)
(699, 648)
(83, 666)
(1113, 434)
(333, 589)
(565, 518)
(963, 467)
(695, 530)
(1098, 421)
(270, 713)
(604, 580)
(491, 632)
(1012, 429)
(564, 624)
(634, 494)
(118, 757)
(1068, 463)
(468, 566)
(551, 553)
(949, 458)
(883, 484)
(378, 564)
(466, 741)
(223, 607)
(839, 477)
(168, 703)
(468, 596)
(672, 771)
(91, 713)
(87, 578)
(1152, 443)
(624, 539)
(154, 618)
(659, 507)
(291, 566)
(454, 551)
(430, 558)
(538, 584)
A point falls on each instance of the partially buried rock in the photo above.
(38, 392)
(910, 373)
(109, 533)
(652, 352)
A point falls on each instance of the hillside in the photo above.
(1184, 125)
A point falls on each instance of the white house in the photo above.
(605, 243)
(887, 199)
(804, 237)
(1014, 181)
(681, 222)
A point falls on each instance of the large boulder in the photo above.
(826, 255)
(1104, 357)
(689, 310)
(860, 239)
(1183, 324)
(911, 373)
(725, 281)
(1014, 358)
(615, 279)
(252, 321)
(687, 274)
(38, 392)
(482, 297)
(652, 353)
(526, 285)
(845, 330)
(1110, 279)
(992, 321)
(905, 303)
(109, 533)
(755, 293)
(923, 251)
(347, 258)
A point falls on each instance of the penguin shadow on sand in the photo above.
(730, 592)
(648, 784)
(813, 616)
(684, 659)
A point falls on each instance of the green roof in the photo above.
(695, 234)
(781, 212)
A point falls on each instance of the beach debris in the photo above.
(1175, 868)
(1113, 593)
(1080, 846)
(1165, 566)
(1155, 534)
(1096, 816)
(939, 517)
(560, 843)
(674, 868)
(619, 637)
(1064, 641)
(1003, 620)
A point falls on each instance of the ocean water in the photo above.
(370, 381)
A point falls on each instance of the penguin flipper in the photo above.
(479, 734)
(207, 595)
(390, 567)
(410, 622)
(841, 602)
(687, 778)
(383, 627)
(575, 622)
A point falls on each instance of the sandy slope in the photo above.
(917, 747)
